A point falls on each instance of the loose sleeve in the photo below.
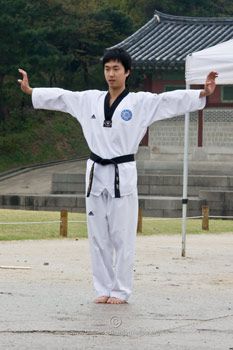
(170, 104)
(56, 99)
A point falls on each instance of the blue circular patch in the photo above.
(126, 114)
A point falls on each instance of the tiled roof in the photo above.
(166, 40)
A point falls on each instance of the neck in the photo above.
(114, 93)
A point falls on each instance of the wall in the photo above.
(166, 138)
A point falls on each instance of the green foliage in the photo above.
(58, 46)
(46, 138)
(142, 10)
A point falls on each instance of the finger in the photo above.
(24, 74)
(22, 71)
(212, 75)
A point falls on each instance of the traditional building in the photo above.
(158, 50)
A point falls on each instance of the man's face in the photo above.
(115, 74)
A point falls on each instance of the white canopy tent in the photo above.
(217, 58)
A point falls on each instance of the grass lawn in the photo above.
(27, 224)
(23, 224)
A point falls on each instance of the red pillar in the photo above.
(200, 128)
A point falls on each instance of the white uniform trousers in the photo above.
(112, 226)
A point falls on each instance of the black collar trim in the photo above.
(108, 111)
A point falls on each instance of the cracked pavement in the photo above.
(178, 303)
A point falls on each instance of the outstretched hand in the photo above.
(24, 83)
(210, 84)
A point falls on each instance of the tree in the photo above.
(61, 42)
(10, 24)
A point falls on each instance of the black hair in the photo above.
(120, 55)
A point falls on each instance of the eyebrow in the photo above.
(115, 66)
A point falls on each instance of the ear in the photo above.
(128, 73)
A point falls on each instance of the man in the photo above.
(113, 124)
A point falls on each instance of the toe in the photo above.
(101, 300)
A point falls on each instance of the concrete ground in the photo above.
(178, 303)
(38, 180)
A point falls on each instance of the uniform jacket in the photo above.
(130, 120)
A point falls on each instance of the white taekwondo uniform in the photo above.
(112, 221)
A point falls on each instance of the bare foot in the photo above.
(113, 300)
(101, 300)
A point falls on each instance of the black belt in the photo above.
(115, 161)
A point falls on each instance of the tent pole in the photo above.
(185, 180)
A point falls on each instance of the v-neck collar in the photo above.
(109, 110)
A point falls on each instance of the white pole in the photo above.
(185, 180)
